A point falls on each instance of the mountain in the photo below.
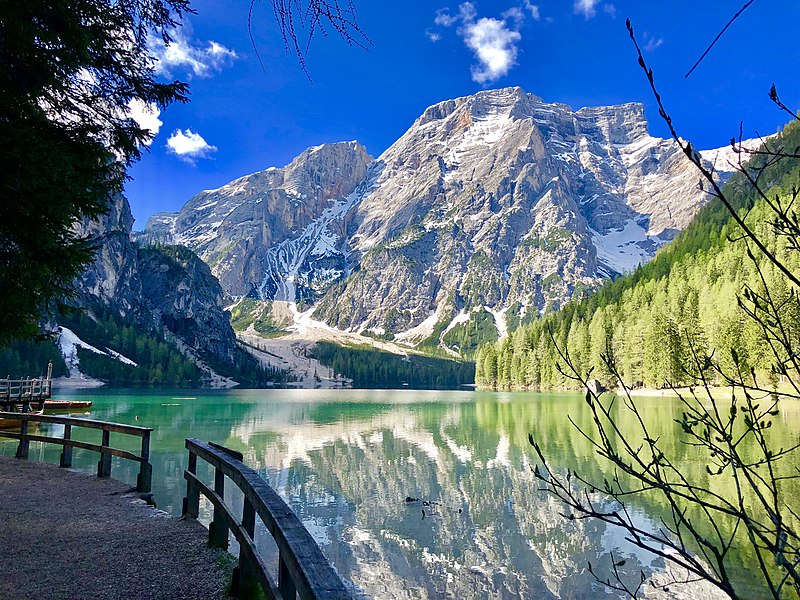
(490, 210)
(684, 301)
(151, 308)
(275, 234)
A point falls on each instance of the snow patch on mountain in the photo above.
(284, 263)
(419, 332)
(500, 322)
(622, 250)
(69, 343)
(726, 160)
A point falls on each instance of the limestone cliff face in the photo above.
(187, 299)
(494, 204)
(504, 203)
(156, 287)
(278, 233)
(113, 277)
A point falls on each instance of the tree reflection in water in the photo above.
(346, 461)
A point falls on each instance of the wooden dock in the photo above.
(26, 393)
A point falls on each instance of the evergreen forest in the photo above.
(158, 362)
(29, 358)
(371, 368)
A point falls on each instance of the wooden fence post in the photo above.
(245, 579)
(145, 479)
(24, 442)
(66, 453)
(104, 466)
(285, 583)
(191, 503)
(218, 528)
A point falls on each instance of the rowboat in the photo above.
(66, 405)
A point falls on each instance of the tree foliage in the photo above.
(27, 358)
(371, 368)
(68, 71)
(684, 299)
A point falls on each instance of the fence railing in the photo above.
(143, 480)
(302, 569)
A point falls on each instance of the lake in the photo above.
(346, 460)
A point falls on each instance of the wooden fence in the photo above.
(302, 569)
(144, 479)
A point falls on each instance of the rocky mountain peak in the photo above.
(621, 124)
(489, 209)
(327, 171)
(482, 104)
(259, 232)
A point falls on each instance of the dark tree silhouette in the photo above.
(68, 69)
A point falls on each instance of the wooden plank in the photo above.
(78, 422)
(311, 573)
(261, 571)
(144, 481)
(75, 444)
(24, 442)
(218, 528)
(246, 542)
(234, 453)
(66, 453)
(220, 508)
(104, 464)
(247, 575)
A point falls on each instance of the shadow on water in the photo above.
(347, 460)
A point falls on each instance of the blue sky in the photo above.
(242, 119)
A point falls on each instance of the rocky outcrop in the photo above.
(495, 204)
(276, 234)
(163, 288)
(113, 277)
(187, 299)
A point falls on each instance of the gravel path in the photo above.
(69, 535)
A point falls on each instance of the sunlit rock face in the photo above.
(278, 234)
(498, 204)
(113, 277)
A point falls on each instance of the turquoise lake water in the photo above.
(345, 461)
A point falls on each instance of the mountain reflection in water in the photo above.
(347, 460)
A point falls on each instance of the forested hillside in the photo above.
(28, 358)
(372, 368)
(686, 295)
(152, 360)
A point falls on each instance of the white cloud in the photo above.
(533, 9)
(467, 12)
(146, 115)
(587, 8)
(190, 56)
(494, 45)
(610, 10)
(651, 43)
(189, 146)
(493, 40)
(515, 14)
(444, 18)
